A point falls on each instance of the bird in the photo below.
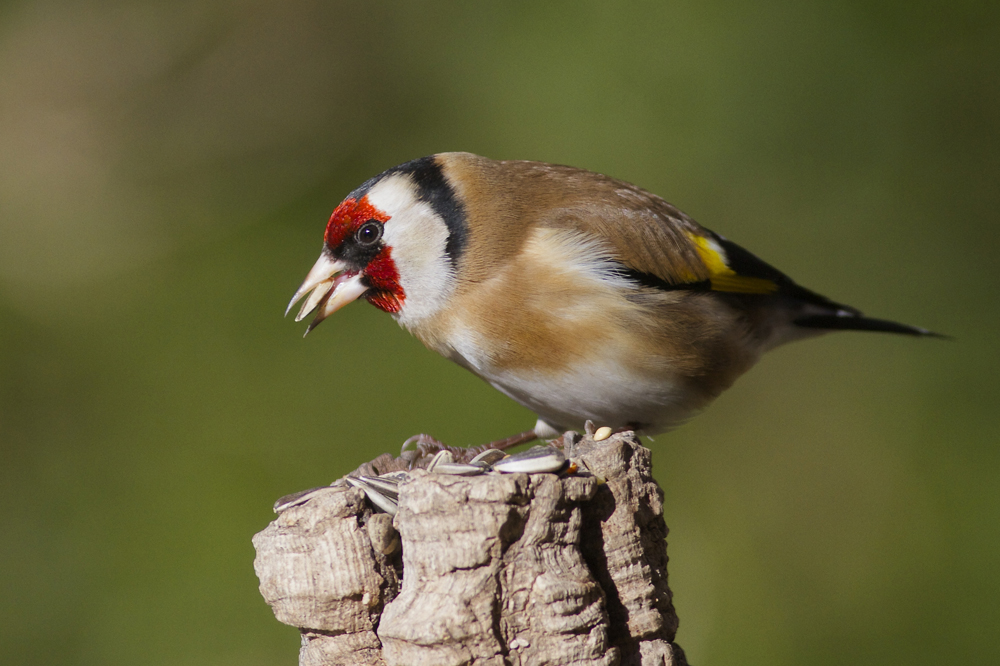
(579, 296)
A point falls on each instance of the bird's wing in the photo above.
(659, 246)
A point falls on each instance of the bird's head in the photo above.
(393, 241)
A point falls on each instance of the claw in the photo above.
(426, 444)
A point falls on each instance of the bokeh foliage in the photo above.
(166, 170)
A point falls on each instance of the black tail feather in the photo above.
(858, 323)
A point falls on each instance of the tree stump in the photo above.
(497, 569)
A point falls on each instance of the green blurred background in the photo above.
(166, 171)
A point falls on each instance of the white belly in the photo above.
(603, 392)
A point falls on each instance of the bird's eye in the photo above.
(369, 233)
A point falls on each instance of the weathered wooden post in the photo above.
(491, 569)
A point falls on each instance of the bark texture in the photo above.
(497, 569)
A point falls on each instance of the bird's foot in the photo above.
(427, 446)
(501, 444)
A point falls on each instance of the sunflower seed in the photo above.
(536, 460)
(385, 485)
(376, 498)
(295, 499)
(459, 469)
(488, 457)
(602, 434)
(440, 457)
(397, 477)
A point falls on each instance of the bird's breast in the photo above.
(560, 330)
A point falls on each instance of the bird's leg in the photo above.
(499, 444)
(427, 445)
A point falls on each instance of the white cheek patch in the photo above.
(393, 195)
(417, 237)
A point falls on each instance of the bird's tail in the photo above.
(849, 321)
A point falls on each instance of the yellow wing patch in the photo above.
(721, 276)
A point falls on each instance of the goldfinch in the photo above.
(579, 296)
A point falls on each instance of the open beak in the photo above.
(332, 288)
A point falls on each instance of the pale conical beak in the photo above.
(332, 288)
